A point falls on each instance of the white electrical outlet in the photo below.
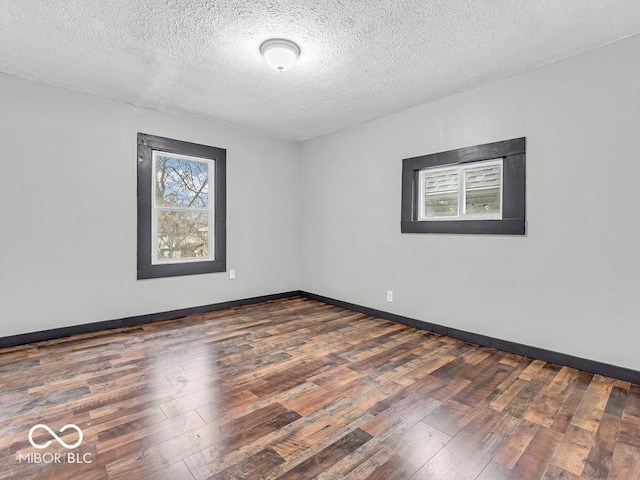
(232, 274)
(389, 295)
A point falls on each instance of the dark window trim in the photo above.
(513, 190)
(146, 145)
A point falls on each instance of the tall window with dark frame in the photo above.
(181, 208)
(479, 189)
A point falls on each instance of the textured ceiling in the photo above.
(360, 59)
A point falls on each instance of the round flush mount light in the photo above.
(279, 53)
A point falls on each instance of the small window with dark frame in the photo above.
(469, 190)
(181, 208)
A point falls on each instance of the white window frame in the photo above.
(155, 209)
(462, 204)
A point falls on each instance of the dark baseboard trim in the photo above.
(32, 337)
(591, 366)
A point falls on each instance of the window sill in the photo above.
(490, 227)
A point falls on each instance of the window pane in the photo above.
(441, 193)
(482, 190)
(183, 235)
(181, 182)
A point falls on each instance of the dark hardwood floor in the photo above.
(297, 389)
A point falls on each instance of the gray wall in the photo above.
(68, 211)
(571, 285)
(324, 215)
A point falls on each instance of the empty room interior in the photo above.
(335, 240)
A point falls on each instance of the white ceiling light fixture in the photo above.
(279, 53)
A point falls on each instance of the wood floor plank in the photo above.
(516, 444)
(151, 433)
(632, 405)
(556, 473)
(450, 417)
(630, 430)
(229, 437)
(215, 459)
(396, 468)
(396, 440)
(467, 454)
(175, 471)
(535, 459)
(573, 452)
(295, 388)
(313, 466)
(551, 399)
(418, 444)
(568, 410)
(599, 460)
(617, 401)
(255, 466)
(625, 463)
(593, 404)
